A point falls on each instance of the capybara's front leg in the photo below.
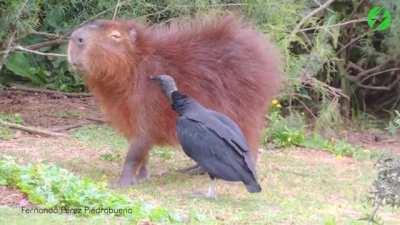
(135, 166)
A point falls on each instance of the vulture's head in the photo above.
(167, 84)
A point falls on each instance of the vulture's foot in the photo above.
(199, 194)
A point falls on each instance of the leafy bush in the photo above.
(386, 187)
(284, 132)
(394, 124)
(290, 131)
(49, 186)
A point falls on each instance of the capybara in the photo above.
(221, 61)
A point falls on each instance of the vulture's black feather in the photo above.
(211, 139)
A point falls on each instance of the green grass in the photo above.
(5, 132)
(49, 186)
(300, 187)
(100, 136)
(289, 131)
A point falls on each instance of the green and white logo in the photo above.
(379, 18)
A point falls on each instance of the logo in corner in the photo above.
(379, 18)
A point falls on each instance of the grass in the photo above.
(285, 132)
(49, 186)
(5, 132)
(299, 186)
(100, 136)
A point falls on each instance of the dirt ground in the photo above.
(56, 111)
(48, 111)
(45, 111)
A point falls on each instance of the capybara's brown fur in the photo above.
(222, 62)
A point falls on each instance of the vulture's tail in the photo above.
(253, 187)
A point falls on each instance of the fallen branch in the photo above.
(8, 49)
(96, 120)
(380, 88)
(32, 130)
(20, 48)
(48, 35)
(46, 44)
(335, 25)
(69, 127)
(379, 73)
(37, 90)
(352, 42)
(315, 11)
(32, 48)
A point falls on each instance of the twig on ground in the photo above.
(96, 120)
(37, 90)
(69, 127)
(32, 130)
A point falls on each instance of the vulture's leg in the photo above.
(211, 193)
(211, 189)
(135, 166)
(193, 170)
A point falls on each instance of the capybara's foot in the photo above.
(143, 174)
(125, 182)
(193, 170)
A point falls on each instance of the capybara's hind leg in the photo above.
(143, 171)
(135, 166)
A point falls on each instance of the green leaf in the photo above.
(20, 65)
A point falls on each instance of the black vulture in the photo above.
(211, 139)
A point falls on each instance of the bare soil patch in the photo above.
(374, 140)
(44, 110)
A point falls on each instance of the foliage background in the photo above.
(337, 68)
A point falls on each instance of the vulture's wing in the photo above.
(213, 153)
(226, 129)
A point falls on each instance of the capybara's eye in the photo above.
(115, 35)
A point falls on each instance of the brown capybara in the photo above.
(220, 61)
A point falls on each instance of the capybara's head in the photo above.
(103, 47)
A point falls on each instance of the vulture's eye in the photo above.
(115, 35)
